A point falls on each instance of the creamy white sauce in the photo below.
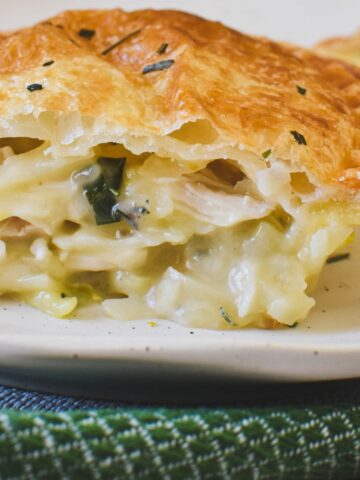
(208, 255)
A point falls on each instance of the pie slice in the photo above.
(170, 167)
(344, 48)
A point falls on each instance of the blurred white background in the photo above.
(299, 21)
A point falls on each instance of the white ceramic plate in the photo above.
(87, 350)
(108, 358)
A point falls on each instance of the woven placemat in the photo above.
(310, 437)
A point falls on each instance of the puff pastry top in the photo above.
(245, 87)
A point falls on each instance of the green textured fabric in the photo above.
(182, 444)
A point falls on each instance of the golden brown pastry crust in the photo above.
(246, 87)
(344, 48)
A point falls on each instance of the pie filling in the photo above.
(219, 243)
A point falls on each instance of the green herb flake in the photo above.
(63, 295)
(301, 90)
(86, 33)
(47, 64)
(338, 258)
(34, 86)
(162, 49)
(102, 193)
(294, 325)
(226, 317)
(102, 200)
(298, 137)
(156, 67)
(113, 169)
(119, 42)
(266, 154)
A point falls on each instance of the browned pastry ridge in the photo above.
(246, 87)
(344, 48)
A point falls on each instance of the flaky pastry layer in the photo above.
(245, 87)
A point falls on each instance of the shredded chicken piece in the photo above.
(17, 227)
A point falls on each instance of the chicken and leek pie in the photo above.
(170, 167)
